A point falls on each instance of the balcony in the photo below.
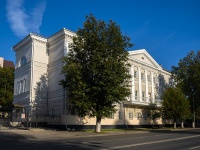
(144, 101)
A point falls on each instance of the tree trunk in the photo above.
(98, 124)
(174, 124)
(182, 124)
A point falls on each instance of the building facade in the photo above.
(38, 73)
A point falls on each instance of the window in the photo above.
(23, 61)
(21, 86)
(149, 97)
(155, 97)
(135, 74)
(52, 112)
(130, 115)
(143, 95)
(149, 78)
(145, 116)
(24, 87)
(17, 90)
(120, 115)
(39, 87)
(138, 115)
(142, 76)
(111, 116)
(136, 93)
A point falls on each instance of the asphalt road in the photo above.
(188, 139)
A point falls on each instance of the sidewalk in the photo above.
(40, 133)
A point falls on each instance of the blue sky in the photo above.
(167, 29)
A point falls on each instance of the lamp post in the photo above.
(193, 123)
(65, 108)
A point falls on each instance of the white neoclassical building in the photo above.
(37, 89)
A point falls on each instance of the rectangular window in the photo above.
(142, 76)
(130, 115)
(149, 97)
(149, 78)
(136, 94)
(154, 80)
(138, 115)
(24, 87)
(111, 116)
(17, 88)
(143, 95)
(20, 87)
(120, 115)
(145, 116)
(52, 112)
(135, 74)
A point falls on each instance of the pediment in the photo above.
(142, 56)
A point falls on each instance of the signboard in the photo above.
(23, 116)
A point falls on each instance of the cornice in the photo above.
(30, 38)
(145, 64)
(63, 32)
(143, 51)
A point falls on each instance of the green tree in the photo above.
(186, 76)
(6, 88)
(175, 105)
(96, 70)
(153, 112)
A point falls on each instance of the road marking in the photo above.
(146, 143)
(122, 139)
(194, 147)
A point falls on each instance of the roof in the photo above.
(8, 63)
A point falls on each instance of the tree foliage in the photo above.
(96, 70)
(175, 104)
(6, 88)
(153, 112)
(187, 77)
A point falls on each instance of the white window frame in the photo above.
(143, 96)
(149, 78)
(136, 95)
(24, 85)
(120, 115)
(135, 74)
(130, 115)
(142, 76)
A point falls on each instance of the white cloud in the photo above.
(23, 23)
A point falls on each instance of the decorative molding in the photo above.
(64, 32)
(29, 38)
(143, 51)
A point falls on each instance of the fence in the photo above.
(5, 120)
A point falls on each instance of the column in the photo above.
(146, 86)
(140, 84)
(152, 88)
(132, 84)
(65, 46)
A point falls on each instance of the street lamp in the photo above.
(65, 107)
(193, 123)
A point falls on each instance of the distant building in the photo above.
(38, 72)
(6, 63)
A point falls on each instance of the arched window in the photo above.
(23, 61)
